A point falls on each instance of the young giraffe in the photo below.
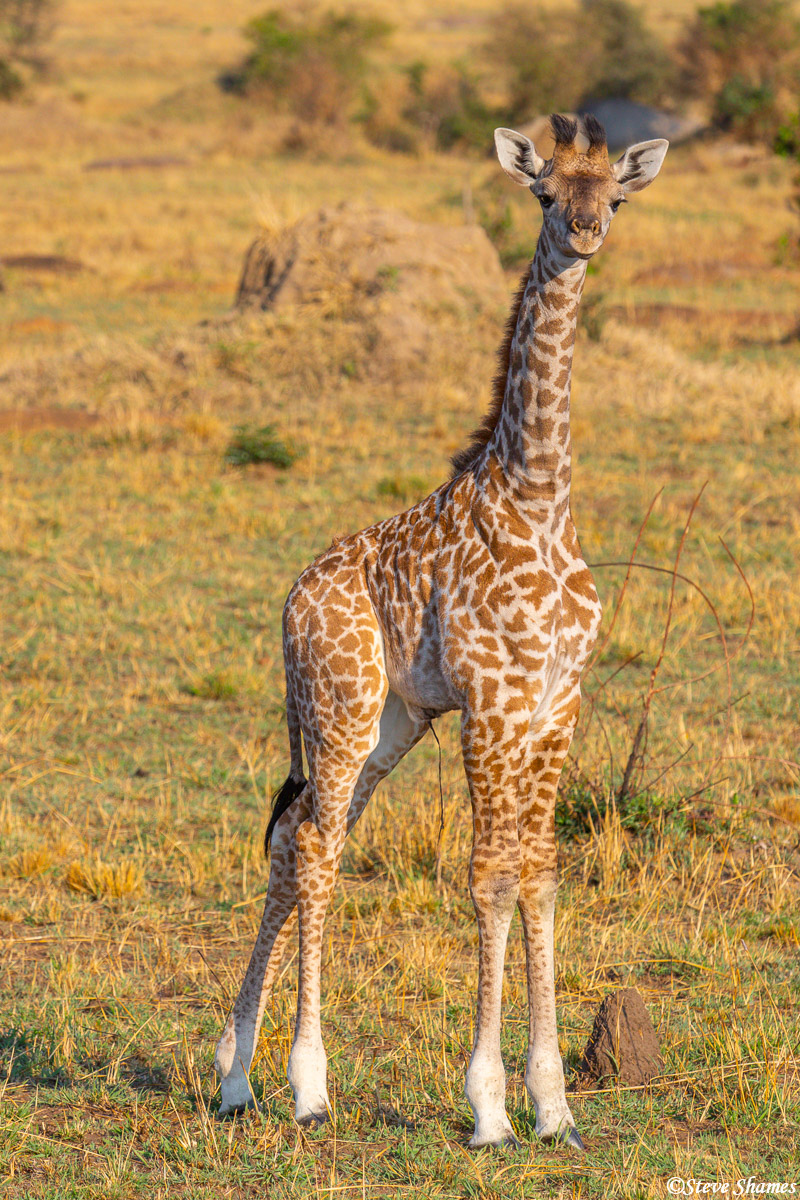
(475, 599)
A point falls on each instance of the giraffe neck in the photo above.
(532, 437)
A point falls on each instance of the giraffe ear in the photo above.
(518, 156)
(640, 164)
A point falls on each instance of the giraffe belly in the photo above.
(415, 673)
(423, 688)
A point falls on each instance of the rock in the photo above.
(623, 1044)
(626, 122)
(393, 276)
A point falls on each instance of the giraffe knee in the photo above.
(494, 885)
(538, 889)
(283, 841)
(308, 842)
(315, 846)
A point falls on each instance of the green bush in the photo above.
(11, 83)
(308, 65)
(507, 223)
(408, 489)
(216, 685)
(535, 57)
(579, 810)
(442, 108)
(25, 26)
(743, 58)
(251, 444)
(449, 104)
(787, 137)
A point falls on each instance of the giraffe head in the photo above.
(579, 191)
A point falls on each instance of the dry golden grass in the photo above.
(104, 880)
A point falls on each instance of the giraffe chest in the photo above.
(459, 618)
(524, 617)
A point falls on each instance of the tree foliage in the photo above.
(743, 58)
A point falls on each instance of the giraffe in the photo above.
(476, 599)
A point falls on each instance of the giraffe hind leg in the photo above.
(281, 801)
(341, 794)
(236, 1047)
(319, 842)
(398, 732)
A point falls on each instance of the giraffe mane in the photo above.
(481, 436)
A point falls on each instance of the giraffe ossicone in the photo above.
(476, 599)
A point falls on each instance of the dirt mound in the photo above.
(23, 420)
(623, 1044)
(398, 279)
(43, 262)
(129, 163)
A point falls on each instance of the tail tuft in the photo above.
(281, 800)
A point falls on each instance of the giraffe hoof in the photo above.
(506, 1141)
(573, 1138)
(227, 1111)
(313, 1120)
(509, 1142)
(568, 1135)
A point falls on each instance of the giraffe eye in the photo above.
(545, 200)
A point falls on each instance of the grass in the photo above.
(142, 709)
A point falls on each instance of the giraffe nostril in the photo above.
(584, 224)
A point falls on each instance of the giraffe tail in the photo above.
(295, 783)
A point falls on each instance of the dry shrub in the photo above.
(384, 117)
(205, 426)
(535, 55)
(105, 881)
(30, 863)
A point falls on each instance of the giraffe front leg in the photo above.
(236, 1047)
(544, 1073)
(494, 895)
(494, 885)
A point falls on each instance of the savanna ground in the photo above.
(142, 722)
